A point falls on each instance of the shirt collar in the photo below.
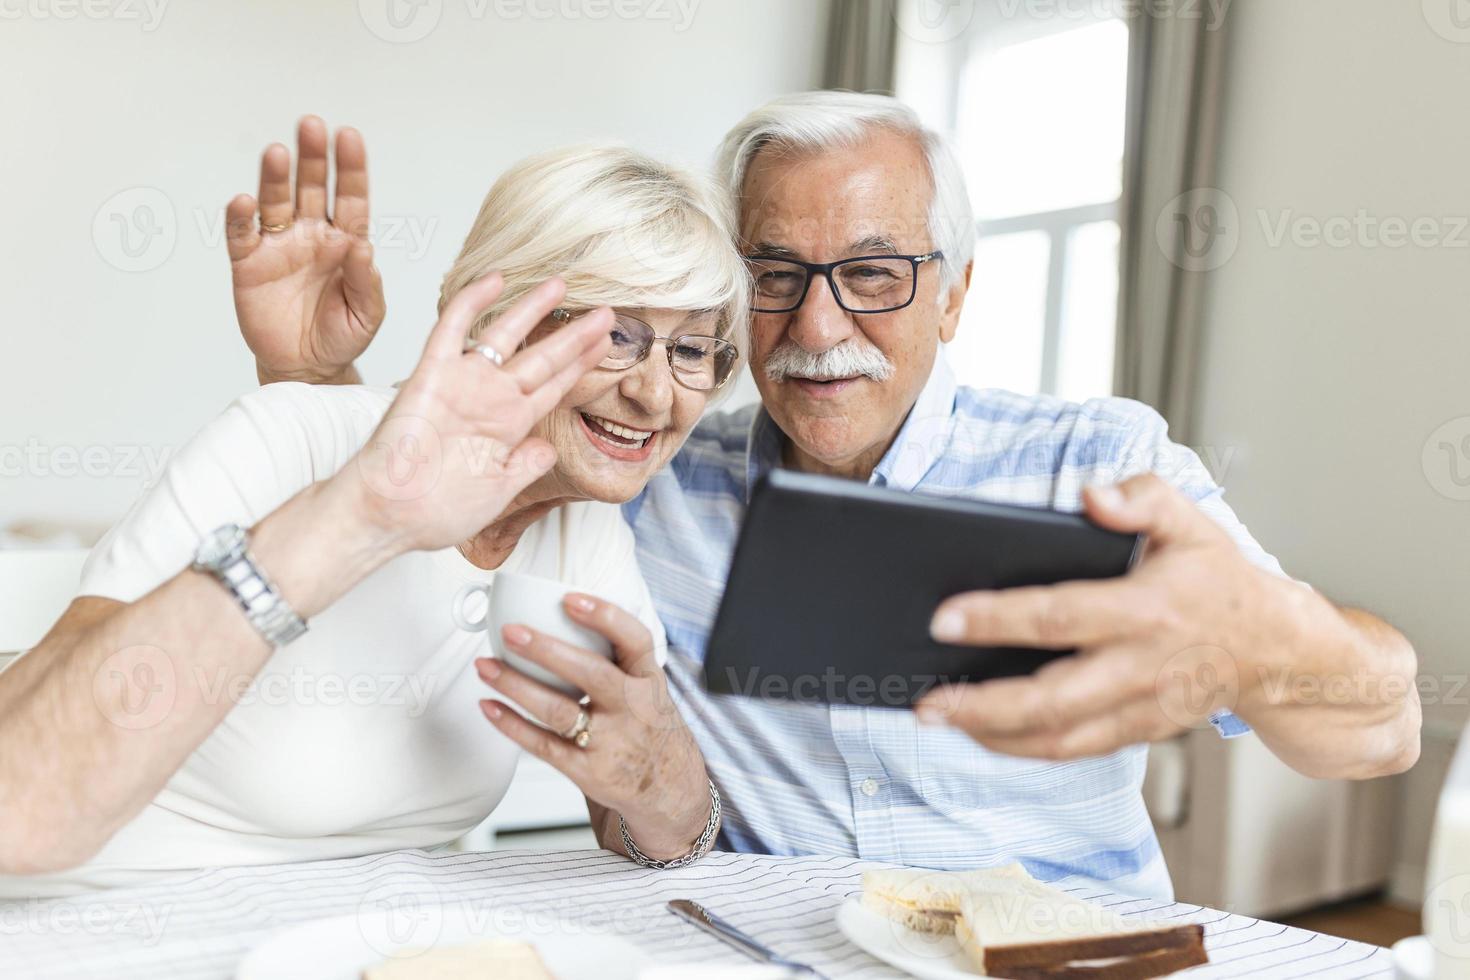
(921, 441)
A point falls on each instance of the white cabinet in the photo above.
(1242, 831)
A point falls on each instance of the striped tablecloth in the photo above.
(199, 925)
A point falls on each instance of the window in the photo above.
(1035, 106)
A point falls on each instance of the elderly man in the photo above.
(832, 190)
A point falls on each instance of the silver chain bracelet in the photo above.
(701, 846)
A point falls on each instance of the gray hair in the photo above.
(825, 119)
(621, 228)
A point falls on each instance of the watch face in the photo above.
(220, 545)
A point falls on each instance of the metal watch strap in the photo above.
(260, 600)
(702, 845)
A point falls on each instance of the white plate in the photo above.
(341, 948)
(925, 956)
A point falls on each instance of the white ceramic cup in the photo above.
(528, 600)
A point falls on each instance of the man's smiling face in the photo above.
(824, 206)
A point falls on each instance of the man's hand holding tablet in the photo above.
(1194, 630)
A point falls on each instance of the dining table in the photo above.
(199, 925)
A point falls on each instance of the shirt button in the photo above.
(869, 787)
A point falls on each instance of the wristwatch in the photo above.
(225, 554)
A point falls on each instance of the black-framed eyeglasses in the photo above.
(866, 284)
(698, 362)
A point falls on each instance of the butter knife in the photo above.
(722, 930)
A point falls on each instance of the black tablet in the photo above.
(834, 582)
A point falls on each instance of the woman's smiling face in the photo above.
(616, 428)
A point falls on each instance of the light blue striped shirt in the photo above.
(871, 782)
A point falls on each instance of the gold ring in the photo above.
(579, 728)
(266, 227)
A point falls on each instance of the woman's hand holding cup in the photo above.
(635, 756)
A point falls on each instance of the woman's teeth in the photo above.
(621, 434)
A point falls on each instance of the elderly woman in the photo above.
(262, 665)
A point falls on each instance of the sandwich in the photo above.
(926, 901)
(1010, 925)
(495, 959)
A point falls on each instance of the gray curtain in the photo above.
(861, 39)
(1175, 225)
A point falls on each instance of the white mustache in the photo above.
(851, 358)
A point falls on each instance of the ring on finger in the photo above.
(579, 732)
(487, 352)
(281, 227)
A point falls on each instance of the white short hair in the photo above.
(621, 228)
(826, 119)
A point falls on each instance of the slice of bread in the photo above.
(926, 901)
(1144, 967)
(495, 959)
(1011, 925)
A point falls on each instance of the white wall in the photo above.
(1335, 374)
(1328, 369)
(102, 369)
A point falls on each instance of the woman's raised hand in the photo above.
(455, 447)
(307, 295)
